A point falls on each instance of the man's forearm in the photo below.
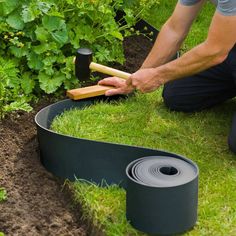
(172, 35)
(221, 38)
(196, 60)
(167, 44)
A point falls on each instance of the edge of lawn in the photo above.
(84, 194)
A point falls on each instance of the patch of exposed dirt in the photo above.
(36, 204)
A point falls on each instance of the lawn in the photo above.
(3, 197)
(201, 137)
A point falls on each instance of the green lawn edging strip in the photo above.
(201, 136)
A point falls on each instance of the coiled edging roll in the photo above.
(162, 194)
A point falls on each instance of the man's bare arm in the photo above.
(167, 44)
(172, 35)
(221, 39)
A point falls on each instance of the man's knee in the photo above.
(232, 135)
(169, 99)
(176, 101)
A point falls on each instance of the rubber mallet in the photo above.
(83, 67)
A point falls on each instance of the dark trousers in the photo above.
(205, 90)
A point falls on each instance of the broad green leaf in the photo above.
(49, 60)
(15, 21)
(56, 27)
(83, 32)
(102, 53)
(117, 34)
(44, 6)
(30, 12)
(34, 61)
(52, 23)
(49, 70)
(42, 34)
(18, 52)
(7, 6)
(50, 84)
(27, 83)
(60, 36)
(44, 47)
(55, 13)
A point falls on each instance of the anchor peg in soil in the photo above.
(83, 67)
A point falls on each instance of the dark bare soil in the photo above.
(36, 202)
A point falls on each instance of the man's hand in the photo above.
(146, 80)
(120, 86)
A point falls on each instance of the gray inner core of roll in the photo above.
(168, 170)
(162, 171)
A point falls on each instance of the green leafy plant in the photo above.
(13, 90)
(42, 37)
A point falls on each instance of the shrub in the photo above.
(13, 91)
(42, 37)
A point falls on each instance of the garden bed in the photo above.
(36, 204)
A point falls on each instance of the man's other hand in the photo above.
(146, 80)
(120, 86)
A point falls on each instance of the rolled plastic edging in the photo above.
(151, 208)
(162, 194)
(70, 158)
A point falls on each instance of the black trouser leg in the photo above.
(205, 90)
(232, 135)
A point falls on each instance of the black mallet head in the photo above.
(83, 59)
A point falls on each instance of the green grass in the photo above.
(3, 197)
(201, 137)
(144, 121)
(3, 194)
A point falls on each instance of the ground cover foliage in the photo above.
(38, 40)
(201, 137)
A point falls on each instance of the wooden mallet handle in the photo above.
(108, 70)
(96, 90)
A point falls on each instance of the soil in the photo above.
(136, 49)
(36, 202)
